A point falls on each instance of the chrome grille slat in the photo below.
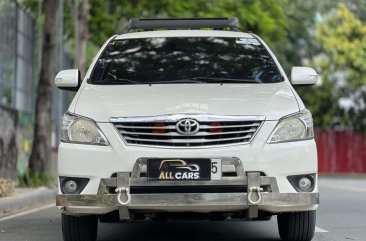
(213, 130)
(188, 141)
(229, 126)
(172, 127)
(169, 127)
(176, 134)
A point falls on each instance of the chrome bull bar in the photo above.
(116, 193)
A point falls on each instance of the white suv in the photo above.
(186, 117)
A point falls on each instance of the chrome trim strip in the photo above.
(168, 127)
(204, 127)
(188, 141)
(174, 134)
(172, 127)
(176, 117)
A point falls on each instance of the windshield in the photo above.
(185, 60)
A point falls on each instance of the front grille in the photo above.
(163, 132)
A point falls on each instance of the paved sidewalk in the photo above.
(26, 198)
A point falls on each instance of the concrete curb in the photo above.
(26, 198)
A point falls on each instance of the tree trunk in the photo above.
(84, 36)
(80, 13)
(41, 149)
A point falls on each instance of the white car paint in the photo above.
(67, 78)
(271, 100)
(303, 75)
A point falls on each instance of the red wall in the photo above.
(341, 151)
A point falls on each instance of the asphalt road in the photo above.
(341, 216)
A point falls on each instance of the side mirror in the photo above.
(68, 80)
(303, 76)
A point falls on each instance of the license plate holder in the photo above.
(183, 169)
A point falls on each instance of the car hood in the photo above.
(101, 102)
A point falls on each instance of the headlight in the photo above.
(78, 129)
(293, 128)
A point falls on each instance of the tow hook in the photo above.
(258, 190)
(254, 186)
(120, 191)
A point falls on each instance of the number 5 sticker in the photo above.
(216, 169)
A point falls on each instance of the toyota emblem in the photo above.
(187, 127)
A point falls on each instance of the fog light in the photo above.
(71, 186)
(305, 184)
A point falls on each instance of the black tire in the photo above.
(299, 226)
(79, 228)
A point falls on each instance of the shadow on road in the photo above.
(192, 231)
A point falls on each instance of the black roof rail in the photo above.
(136, 24)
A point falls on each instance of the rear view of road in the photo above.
(341, 216)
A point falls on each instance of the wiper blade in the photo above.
(201, 80)
(178, 81)
(115, 81)
(223, 80)
(198, 80)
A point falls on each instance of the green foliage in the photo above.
(300, 43)
(107, 18)
(342, 37)
(264, 17)
(30, 179)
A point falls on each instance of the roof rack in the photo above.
(147, 24)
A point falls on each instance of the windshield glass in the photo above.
(185, 60)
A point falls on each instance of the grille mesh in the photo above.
(211, 133)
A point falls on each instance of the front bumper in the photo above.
(259, 193)
(204, 202)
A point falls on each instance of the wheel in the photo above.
(79, 228)
(299, 226)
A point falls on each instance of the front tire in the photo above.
(82, 228)
(299, 226)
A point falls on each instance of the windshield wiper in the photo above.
(177, 81)
(116, 81)
(199, 80)
(223, 80)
